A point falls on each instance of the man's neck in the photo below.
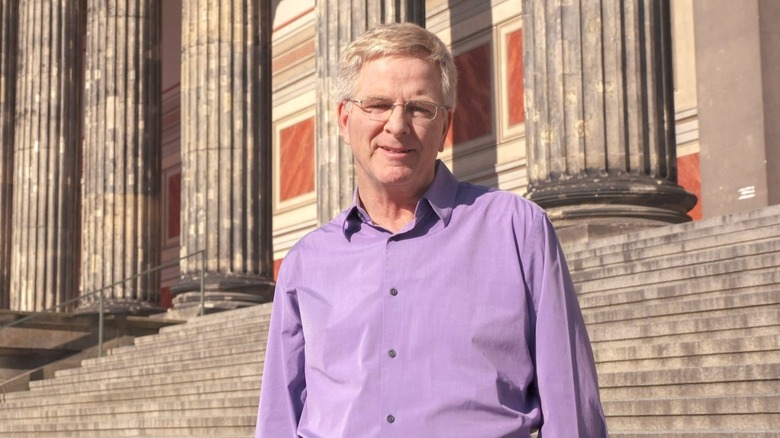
(390, 211)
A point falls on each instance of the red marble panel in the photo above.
(296, 153)
(277, 265)
(689, 177)
(174, 205)
(474, 114)
(166, 298)
(514, 74)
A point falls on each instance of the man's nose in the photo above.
(397, 121)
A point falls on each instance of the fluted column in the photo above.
(45, 242)
(226, 152)
(600, 125)
(121, 189)
(9, 17)
(338, 23)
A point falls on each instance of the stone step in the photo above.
(143, 372)
(673, 338)
(717, 272)
(190, 361)
(691, 389)
(195, 350)
(220, 317)
(606, 353)
(708, 325)
(706, 433)
(693, 375)
(184, 384)
(148, 409)
(680, 260)
(246, 385)
(163, 427)
(701, 361)
(183, 332)
(144, 381)
(762, 217)
(748, 282)
(579, 262)
(726, 404)
(692, 305)
(224, 335)
(752, 422)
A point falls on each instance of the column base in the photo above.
(591, 208)
(589, 222)
(220, 294)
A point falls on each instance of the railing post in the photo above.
(100, 325)
(202, 282)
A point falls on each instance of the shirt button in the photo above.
(390, 419)
(392, 353)
(393, 291)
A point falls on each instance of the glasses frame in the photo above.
(384, 119)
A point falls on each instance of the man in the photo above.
(430, 307)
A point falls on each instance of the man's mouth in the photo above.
(395, 150)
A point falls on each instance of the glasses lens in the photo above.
(377, 108)
(421, 109)
(380, 108)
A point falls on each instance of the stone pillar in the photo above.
(338, 23)
(121, 189)
(47, 156)
(9, 18)
(226, 153)
(600, 125)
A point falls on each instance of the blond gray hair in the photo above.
(395, 39)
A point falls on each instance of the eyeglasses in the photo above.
(379, 109)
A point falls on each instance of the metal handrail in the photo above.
(99, 292)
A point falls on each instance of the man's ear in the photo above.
(343, 115)
(446, 129)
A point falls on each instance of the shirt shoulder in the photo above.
(498, 203)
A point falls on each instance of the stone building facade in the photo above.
(137, 133)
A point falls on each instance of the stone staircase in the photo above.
(201, 378)
(685, 326)
(684, 320)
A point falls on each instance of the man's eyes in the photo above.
(414, 108)
(418, 108)
(378, 105)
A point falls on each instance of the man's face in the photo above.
(398, 155)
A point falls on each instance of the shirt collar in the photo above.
(440, 195)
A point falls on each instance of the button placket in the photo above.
(392, 332)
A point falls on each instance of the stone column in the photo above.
(47, 156)
(9, 17)
(226, 153)
(600, 125)
(338, 23)
(121, 189)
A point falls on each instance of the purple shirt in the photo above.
(465, 323)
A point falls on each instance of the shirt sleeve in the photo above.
(283, 389)
(565, 369)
